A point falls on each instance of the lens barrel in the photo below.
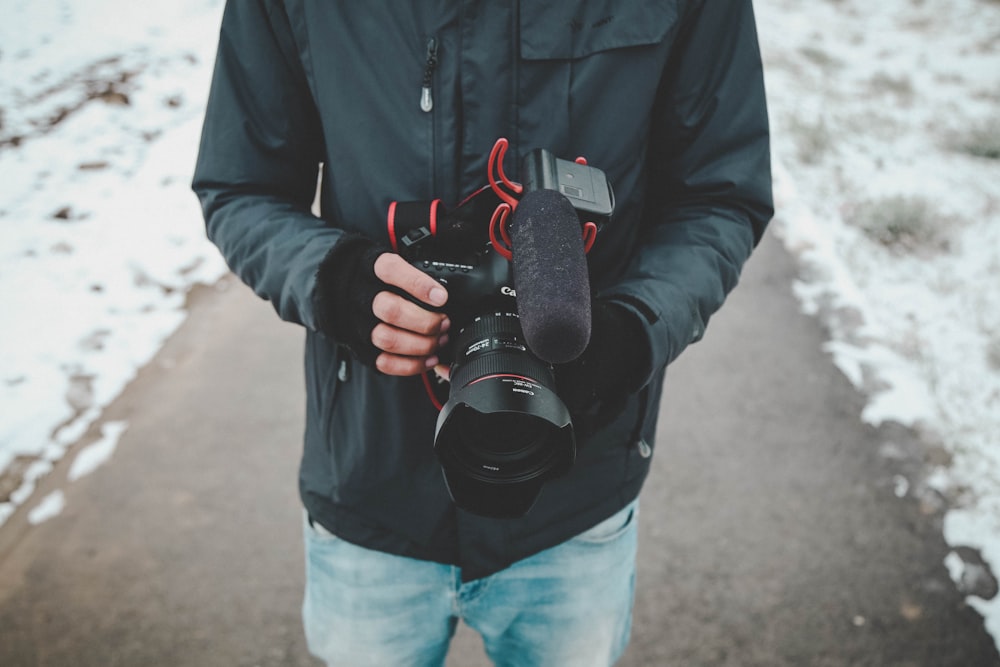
(503, 431)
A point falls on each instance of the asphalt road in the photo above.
(771, 530)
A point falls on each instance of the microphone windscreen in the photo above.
(550, 276)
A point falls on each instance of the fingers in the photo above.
(396, 271)
(405, 352)
(408, 335)
(406, 343)
(392, 364)
(398, 312)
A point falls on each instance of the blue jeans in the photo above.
(568, 605)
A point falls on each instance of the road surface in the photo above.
(771, 529)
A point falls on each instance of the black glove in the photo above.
(596, 385)
(346, 285)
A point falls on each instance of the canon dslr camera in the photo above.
(502, 431)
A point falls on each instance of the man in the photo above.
(403, 101)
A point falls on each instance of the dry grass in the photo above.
(993, 353)
(813, 139)
(903, 223)
(901, 87)
(820, 57)
(981, 140)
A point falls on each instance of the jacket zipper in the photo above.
(426, 96)
(638, 441)
(340, 360)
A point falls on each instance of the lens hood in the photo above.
(499, 438)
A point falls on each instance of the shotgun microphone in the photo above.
(550, 276)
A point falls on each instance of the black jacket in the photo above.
(666, 96)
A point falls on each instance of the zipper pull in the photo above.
(426, 99)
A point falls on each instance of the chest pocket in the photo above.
(579, 28)
(587, 76)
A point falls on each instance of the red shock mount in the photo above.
(509, 195)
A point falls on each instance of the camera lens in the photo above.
(503, 431)
(493, 345)
(503, 447)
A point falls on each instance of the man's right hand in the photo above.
(407, 335)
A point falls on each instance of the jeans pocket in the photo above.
(611, 528)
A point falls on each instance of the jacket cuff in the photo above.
(665, 334)
(595, 385)
(346, 285)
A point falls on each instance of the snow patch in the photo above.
(884, 123)
(96, 454)
(50, 506)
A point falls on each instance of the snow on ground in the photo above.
(886, 121)
(100, 235)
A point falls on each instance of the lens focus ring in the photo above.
(494, 344)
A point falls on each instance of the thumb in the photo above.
(393, 270)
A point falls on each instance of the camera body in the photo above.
(503, 430)
(476, 282)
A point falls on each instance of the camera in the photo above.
(502, 430)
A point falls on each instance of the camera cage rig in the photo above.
(545, 165)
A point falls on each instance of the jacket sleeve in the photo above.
(259, 157)
(709, 191)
